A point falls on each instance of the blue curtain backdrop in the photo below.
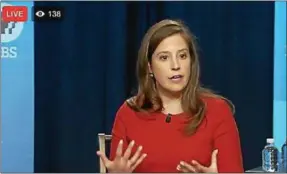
(84, 70)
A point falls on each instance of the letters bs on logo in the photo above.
(10, 30)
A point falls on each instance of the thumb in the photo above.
(103, 157)
(214, 158)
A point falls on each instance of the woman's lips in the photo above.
(176, 78)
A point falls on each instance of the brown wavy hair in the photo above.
(148, 99)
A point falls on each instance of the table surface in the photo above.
(256, 170)
(260, 170)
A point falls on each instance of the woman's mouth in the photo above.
(176, 78)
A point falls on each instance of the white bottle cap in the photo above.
(270, 140)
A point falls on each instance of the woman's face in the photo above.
(170, 64)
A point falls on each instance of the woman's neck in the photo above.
(171, 102)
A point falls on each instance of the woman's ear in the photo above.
(149, 68)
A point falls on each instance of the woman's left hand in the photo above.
(196, 167)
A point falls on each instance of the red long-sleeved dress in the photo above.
(166, 145)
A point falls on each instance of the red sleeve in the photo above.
(227, 141)
(119, 130)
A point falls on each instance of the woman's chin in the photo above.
(175, 89)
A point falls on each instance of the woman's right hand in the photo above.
(123, 163)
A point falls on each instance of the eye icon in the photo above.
(40, 13)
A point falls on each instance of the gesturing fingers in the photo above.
(198, 167)
(187, 168)
(136, 155)
(119, 150)
(182, 169)
(142, 157)
(104, 158)
(128, 152)
(214, 158)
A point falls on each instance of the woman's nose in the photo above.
(175, 66)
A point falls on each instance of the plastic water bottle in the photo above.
(270, 156)
(283, 164)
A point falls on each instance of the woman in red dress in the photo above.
(173, 124)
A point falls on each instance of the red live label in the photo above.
(14, 13)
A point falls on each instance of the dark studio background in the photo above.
(85, 65)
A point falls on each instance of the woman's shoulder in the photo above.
(219, 107)
(125, 107)
(128, 111)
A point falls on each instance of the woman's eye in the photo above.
(183, 56)
(163, 57)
